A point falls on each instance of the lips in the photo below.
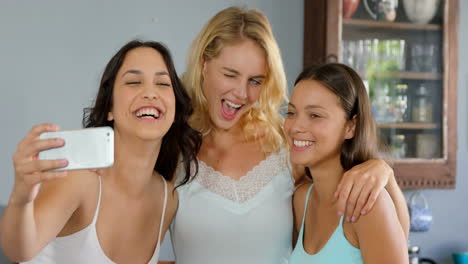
(300, 145)
(148, 113)
(229, 109)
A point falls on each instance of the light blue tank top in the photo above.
(337, 249)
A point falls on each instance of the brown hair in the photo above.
(348, 86)
(180, 141)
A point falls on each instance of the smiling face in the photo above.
(316, 126)
(143, 99)
(232, 82)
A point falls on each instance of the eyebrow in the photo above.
(261, 76)
(160, 73)
(291, 105)
(307, 106)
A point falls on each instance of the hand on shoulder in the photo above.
(380, 235)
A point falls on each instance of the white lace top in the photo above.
(221, 220)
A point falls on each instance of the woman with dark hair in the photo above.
(330, 129)
(122, 215)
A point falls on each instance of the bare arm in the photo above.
(380, 235)
(361, 186)
(41, 201)
(400, 204)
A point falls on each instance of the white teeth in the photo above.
(302, 143)
(233, 105)
(148, 112)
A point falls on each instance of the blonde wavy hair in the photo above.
(232, 25)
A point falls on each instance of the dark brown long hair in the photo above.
(348, 86)
(180, 141)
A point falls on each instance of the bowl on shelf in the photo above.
(420, 11)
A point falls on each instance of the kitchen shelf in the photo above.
(323, 20)
(390, 25)
(428, 76)
(409, 126)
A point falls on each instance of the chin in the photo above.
(299, 160)
(151, 134)
(221, 123)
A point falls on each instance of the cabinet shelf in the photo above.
(409, 126)
(428, 76)
(390, 25)
(323, 20)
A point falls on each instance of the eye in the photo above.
(229, 75)
(132, 83)
(314, 116)
(290, 114)
(255, 81)
(163, 84)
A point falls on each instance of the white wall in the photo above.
(52, 53)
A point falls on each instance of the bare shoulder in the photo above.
(380, 236)
(59, 199)
(75, 185)
(383, 210)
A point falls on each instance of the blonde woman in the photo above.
(238, 209)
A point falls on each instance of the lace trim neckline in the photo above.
(244, 177)
(248, 185)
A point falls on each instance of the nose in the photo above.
(296, 126)
(150, 92)
(240, 92)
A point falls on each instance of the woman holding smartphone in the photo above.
(122, 215)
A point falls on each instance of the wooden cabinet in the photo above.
(410, 71)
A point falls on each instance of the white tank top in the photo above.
(249, 221)
(83, 246)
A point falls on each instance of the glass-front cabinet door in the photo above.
(406, 53)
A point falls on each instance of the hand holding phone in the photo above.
(45, 153)
(88, 148)
(31, 172)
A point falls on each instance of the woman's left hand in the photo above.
(360, 187)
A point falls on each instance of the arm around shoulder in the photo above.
(380, 235)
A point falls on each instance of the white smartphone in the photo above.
(88, 148)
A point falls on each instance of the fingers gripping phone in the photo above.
(88, 148)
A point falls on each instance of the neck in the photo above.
(225, 138)
(134, 162)
(327, 176)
